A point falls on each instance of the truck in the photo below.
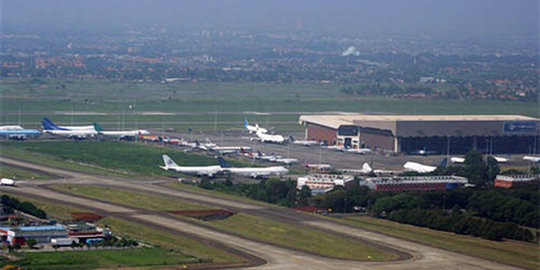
(7, 182)
(64, 241)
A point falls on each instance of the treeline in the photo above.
(273, 191)
(460, 223)
(11, 204)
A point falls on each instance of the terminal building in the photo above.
(452, 134)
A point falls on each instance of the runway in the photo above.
(276, 257)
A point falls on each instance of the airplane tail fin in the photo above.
(306, 164)
(168, 162)
(50, 124)
(223, 163)
(246, 123)
(46, 125)
(366, 167)
(259, 154)
(444, 162)
(291, 138)
(208, 141)
(97, 127)
(197, 143)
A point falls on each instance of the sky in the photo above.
(450, 19)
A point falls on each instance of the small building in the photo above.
(414, 183)
(322, 183)
(510, 181)
(42, 233)
(84, 231)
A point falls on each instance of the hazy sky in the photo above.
(444, 19)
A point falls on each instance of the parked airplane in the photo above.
(17, 132)
(532, 159)
(271, 158)
(303, 142)
(53, 126)
(7, 182)
(255, 128)
(501, 159)
(421, 168)
(225, 149)
(366, 169)
(76, 134)
(458, 160)
(267, 138)
(209, 171)
(320, 167)
(11, 128)
(287, 161)
(252, 172)
(121, 135)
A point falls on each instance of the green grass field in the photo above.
(243, 224)
(299, 237)
(148, 201)
(105, 157)
(92, 259)
(208, 101)
(511, 252)
(20, 173)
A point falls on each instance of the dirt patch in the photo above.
(205, 215)
(87, 216)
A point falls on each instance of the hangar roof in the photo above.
(391, 122)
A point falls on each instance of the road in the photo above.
(277, 257)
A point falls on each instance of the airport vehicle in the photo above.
(267, 138)
(7, 182)
(253, 129)
(252, 172)
(360, 151)
(17, 132)
(76, 134)
(209, 171)
(532, 159)
(55, 127)
(303, 142)
(458, 160)
(121, 135)
(421, 168)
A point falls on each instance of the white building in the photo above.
(322, 183)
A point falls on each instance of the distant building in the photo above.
(414, 183)
(510, 181)
(322, 183)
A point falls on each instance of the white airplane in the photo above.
(532, 159)
(267, 138)
(125, 134)
(76, 134)
(11, 128)
(320, 167)
(458, 160)
(255, 128)
(209, 171)
(253, 172)
(53, 126)
(225, 149)
(366, 169)
(360, 151)
(501, 159)
(271, 158)
(303, 142)
(287, 161)
(417, 167)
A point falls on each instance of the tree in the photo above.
(31, 243)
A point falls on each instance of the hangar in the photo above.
(453, 134)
